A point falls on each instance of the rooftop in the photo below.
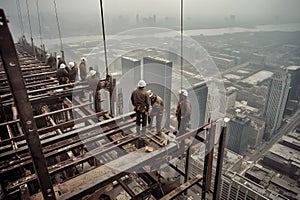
(284, 152)
(257, 77)
(293, 67)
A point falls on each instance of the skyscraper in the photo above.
(132, 66)
(276, 101)
(157, 73)
(131, 74)
(235, 187)
(294, 71)
(294, 94)
(238, 130)
(199, 117)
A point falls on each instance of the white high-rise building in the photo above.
(276, 101)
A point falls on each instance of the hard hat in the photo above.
(183, 92)
(83, 59)
(92, 72)
(62, 65)
(142, 83)
(58, 56)
(150, 93)
(71, 64)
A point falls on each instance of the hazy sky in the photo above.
(198, 13)
(242, 8)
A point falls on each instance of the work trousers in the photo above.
(182, 126)
(141, 118)
(158, 116)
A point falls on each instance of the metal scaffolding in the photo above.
(62, 147)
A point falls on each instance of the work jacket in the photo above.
(157, 104)
(73, 74)
(140, 99)
(82, 69)
(184, 110)
(62, 75)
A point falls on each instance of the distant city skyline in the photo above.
(121, 15)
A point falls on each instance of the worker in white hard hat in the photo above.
(183, 111)
(60, 61)
(157, 109)
(82, 69)
(62, 75)
(141, 103)
(93, 82)
(73, 72)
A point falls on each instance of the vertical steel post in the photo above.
(219, 164)
(208, 162)
(187, 162)
(15, 78)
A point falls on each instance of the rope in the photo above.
(58, 26)
(40, 28)
(181, 44)
(103, 36)
(20, 16)
(28, 14)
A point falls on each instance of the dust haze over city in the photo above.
(82, 17)
(240, 60)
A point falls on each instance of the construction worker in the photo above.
(141, 103)
(60, 61)
(93, 82)
(183, 112)
(82, 69)
(157, 109)
(51, 61)
(72, 72)
(62, 75)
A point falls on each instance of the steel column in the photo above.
(209, 152)
(14, 74)
(219, 164)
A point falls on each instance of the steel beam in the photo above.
(209, 152)
(15, 78)
(122, 166)
(186, 169)
(217, 184)
(126, 188)
(179, 190)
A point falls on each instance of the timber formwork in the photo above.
(85, 152)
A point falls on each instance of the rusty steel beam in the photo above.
(50, 140)
(110, 146)
(50, 113)
(72, 133)
(15, 78)
(66, 164)
(76, 143)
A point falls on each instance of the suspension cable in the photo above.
(39, 19)
(28, 14)
(181, 44)
(58, 27)
(103, 36)
(20, 16)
